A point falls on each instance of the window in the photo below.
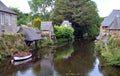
(10, 20)
(2, 18)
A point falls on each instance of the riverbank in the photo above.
(10, 43)
(109, 53)
(66, 60)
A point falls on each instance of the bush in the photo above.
(99, 47)
(111, 52)
(46, 42)
(36, 23)
(10, 43)
(63, 32)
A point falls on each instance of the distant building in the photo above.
(111, 23)
(114, 27)
(8, 20)
(47, 29)
(66, 23)
(30, 34)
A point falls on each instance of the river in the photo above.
(74, 59)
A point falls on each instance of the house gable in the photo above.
(108, 20)
(4, 8)
(66, 23)
(115, 25)
(47, 26)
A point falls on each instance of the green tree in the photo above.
(21, 17)
(36, 23)
(40, 7)
(82, 13)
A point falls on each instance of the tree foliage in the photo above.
(36, 23)
(63, 32)
(40, 7)
(21, 17)
(82, 13)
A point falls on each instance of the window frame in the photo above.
(9, 19)
(2, 18)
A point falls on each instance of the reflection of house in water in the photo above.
(63, 53)
(47, 68)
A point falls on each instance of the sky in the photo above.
(20, 4)
(105, 7)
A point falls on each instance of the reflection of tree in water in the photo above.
(110, 71)
(36, 69)
(63, 52)
(80, 62)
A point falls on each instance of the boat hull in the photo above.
(22, 61)
(22, 58)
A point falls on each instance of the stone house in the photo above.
(66, 23)
(110, 24)
(47, 29)
(114, 27)
(8, 20)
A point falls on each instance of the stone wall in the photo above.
(6, 27)
(115, 33)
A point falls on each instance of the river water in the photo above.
(74, 59)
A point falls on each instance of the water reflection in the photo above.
(28, 72)
(111, 71)
(75, 59)
(64, 52)
(95, 70)
(79, 63)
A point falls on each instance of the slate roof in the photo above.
(108, 20)
(66, 23)
(30, 33)
(115, 24)
(46, 25)
(4, 8)
(37, 30)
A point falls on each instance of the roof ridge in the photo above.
(108, 20)
(4, 8)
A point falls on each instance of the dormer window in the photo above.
(2, 18)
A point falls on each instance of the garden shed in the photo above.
(30, 34)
